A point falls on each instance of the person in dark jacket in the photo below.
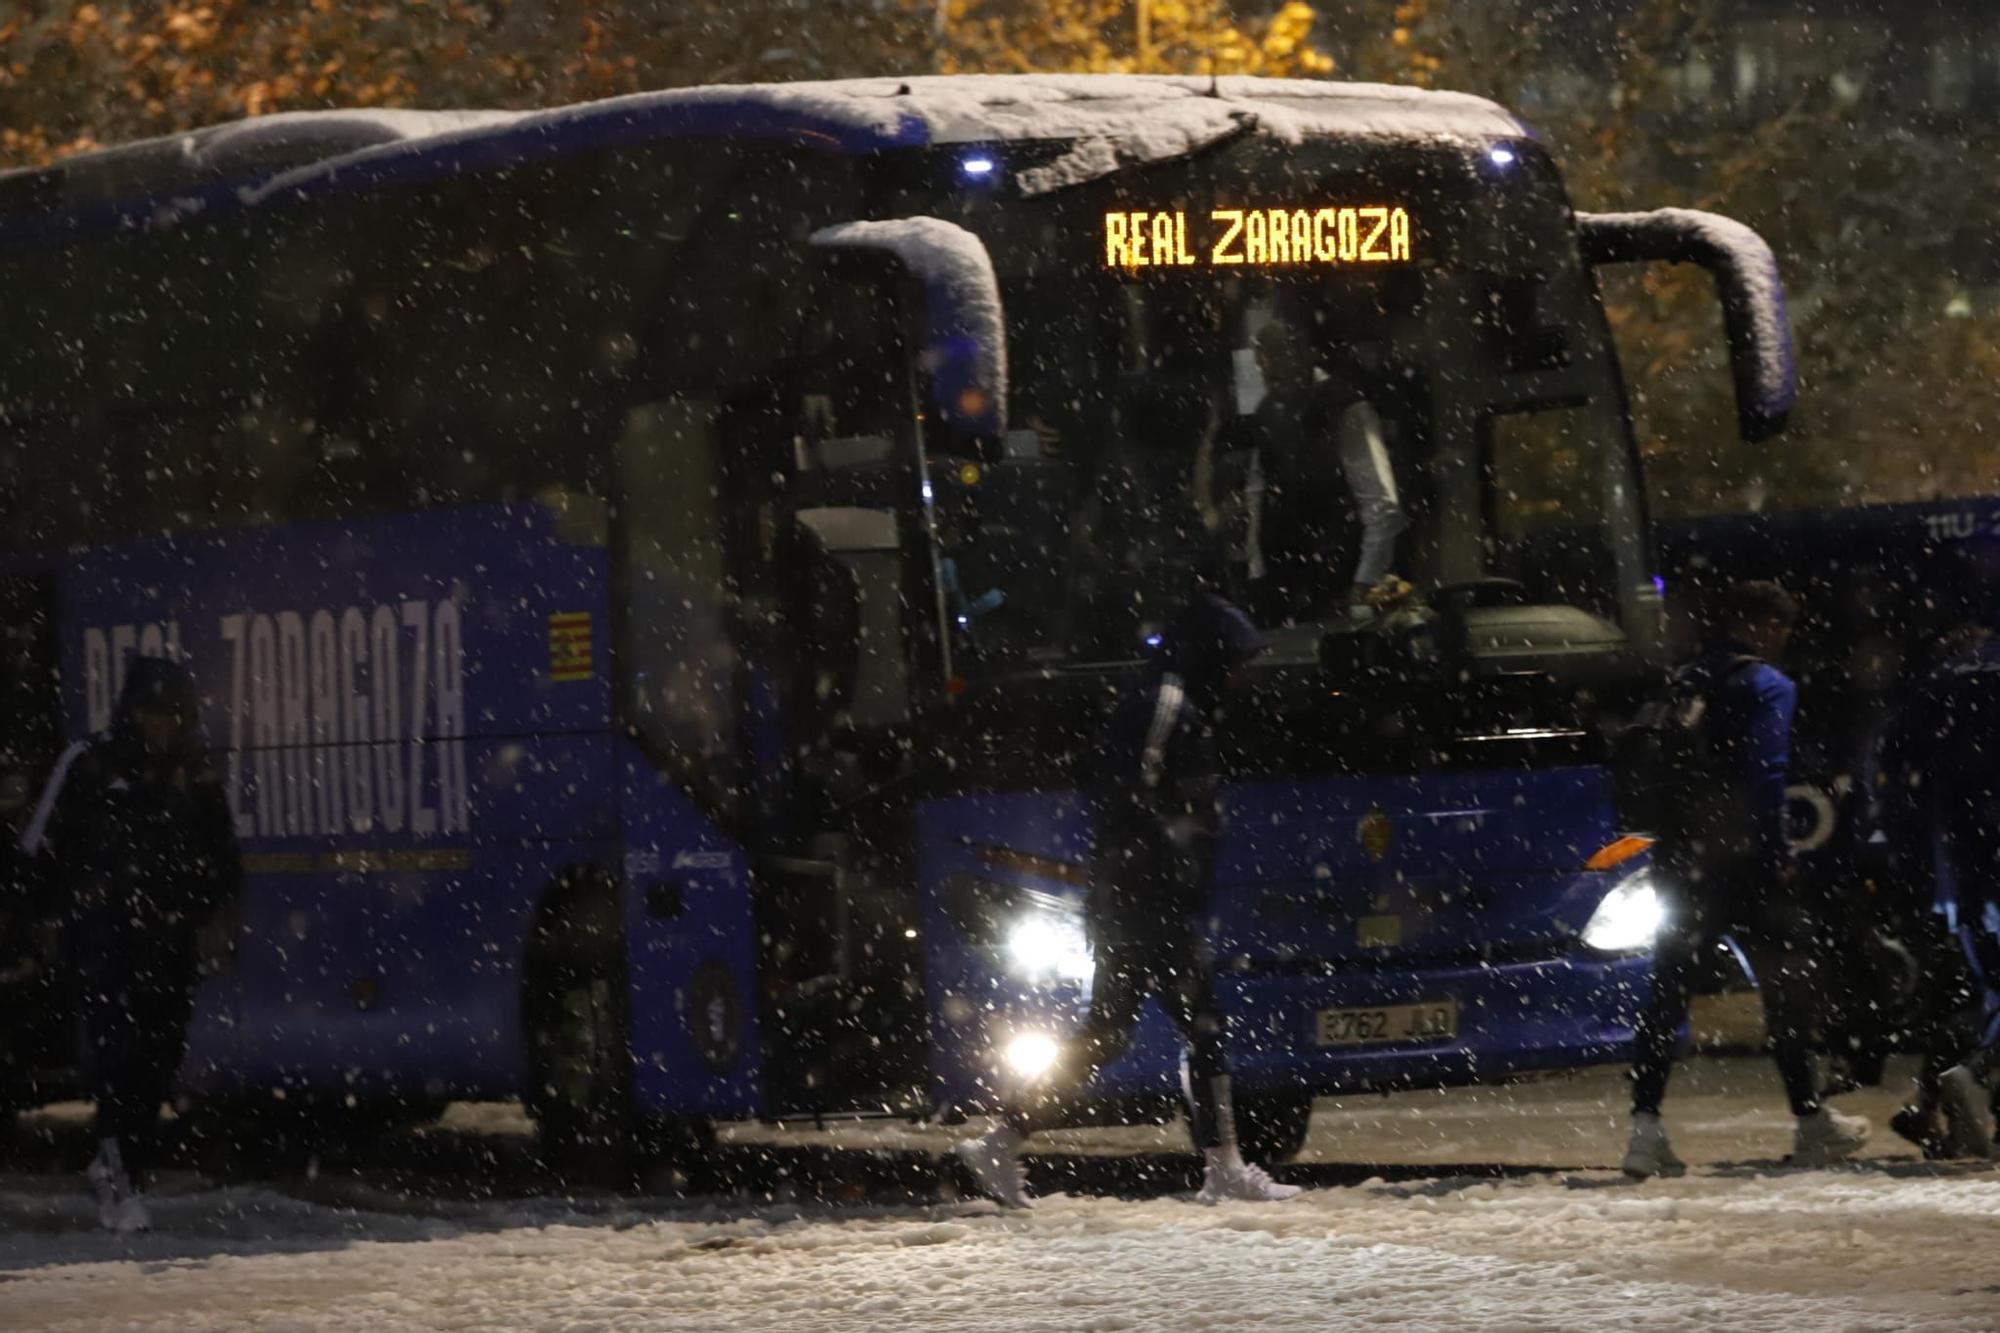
(1158, 819)
(1321, 505)
(1738, 880)
(1944, 761)
(137, 836)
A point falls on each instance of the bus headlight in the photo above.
(1047, 943)
(1030, 1055)
(1628, 918)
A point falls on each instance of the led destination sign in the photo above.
(1256, 237)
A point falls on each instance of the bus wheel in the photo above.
(1272, 1126)
(577, 1083)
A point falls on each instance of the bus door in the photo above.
(36, 1038)
(898, 362)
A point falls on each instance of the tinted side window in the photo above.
(164, 381)
(470, 340)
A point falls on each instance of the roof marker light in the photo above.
(1501, 157)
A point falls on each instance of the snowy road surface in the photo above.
(1741, 1242)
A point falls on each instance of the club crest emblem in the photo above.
(1375, 831)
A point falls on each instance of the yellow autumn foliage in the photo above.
(1127, 37)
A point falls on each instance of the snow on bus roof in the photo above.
(946, 108)
(1150, 118)
(975, 108)
(237, 149)
(1014, 106)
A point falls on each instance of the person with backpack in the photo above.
(135, 834)
(1724, 867)
(1157, 822)
(1317, 498)
(1944, 767)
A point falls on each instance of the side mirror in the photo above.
(1746, 279)
(964, 350)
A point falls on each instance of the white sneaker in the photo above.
(1648, 1153)
(1229, 1177)
(131, 1215)
(994, 1159)
(119, 1206)
(1826, 1136)
(1965, 1101)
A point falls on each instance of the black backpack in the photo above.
(1672, 777)
(1961, 760)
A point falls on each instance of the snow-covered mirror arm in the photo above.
(1746, 280)
(965, 351)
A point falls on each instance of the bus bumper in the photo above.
(1512, 1019)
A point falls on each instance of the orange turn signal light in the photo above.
(1614, 854)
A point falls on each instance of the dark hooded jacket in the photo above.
(1309, 523)
(1942, 759)
(140, 844)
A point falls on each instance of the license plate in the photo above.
(1429, 1021)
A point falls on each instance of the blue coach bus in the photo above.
(655, 567)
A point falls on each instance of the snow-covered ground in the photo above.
(1741, 1242)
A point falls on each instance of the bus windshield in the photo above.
(1317, 370)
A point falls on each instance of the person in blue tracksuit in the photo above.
(1947, 761)
(136, 836)
(1157, 785)
(1736, 879)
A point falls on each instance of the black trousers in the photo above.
(1774, 936)
(136, 1029)
(1145, 942)
(1944, 1021)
